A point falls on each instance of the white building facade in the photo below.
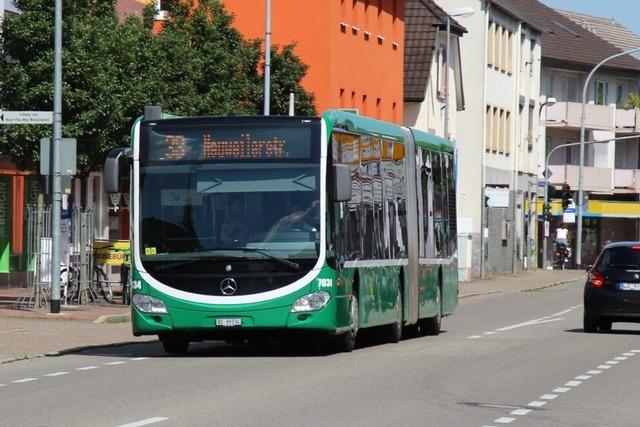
(499, 135)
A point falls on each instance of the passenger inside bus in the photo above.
(235, 228)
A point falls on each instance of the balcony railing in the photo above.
(595, 179)
(600, 117)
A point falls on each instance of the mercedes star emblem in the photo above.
(228, 286)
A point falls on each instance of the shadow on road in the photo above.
(614, 331)
(303, 346)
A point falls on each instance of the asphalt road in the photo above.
(502, 359)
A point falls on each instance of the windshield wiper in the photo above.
(264, 252)
(168, 265)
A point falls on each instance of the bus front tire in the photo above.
(346, 342)
(174, 343)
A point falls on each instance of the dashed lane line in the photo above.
(84, 368)
(144, 422)
(56, 374)
(569, 385)
(24, 380)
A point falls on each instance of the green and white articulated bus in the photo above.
(244, 227)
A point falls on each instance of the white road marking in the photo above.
(561, 389)
(2, 385)
(568, 310)
(119, 362)
(87, 368)
(628, 354)
(594, 372)
(583, 377)
(24, 380)
(144, 422)
(604, 366)
(548, 396)
(139, 358)
(635, 351)
(573, 383)
(489, 333)
(56, 374)
(475, 337)
(536, 404)
(620, 358)
(521, 412)
(529, 323)
(611, 362)
(504, 420)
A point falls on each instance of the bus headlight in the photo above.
(148, 304)
(311, 302)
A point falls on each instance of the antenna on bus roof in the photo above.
(152, 112)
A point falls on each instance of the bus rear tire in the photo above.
(432, 325)
(174, 343)
(394, 333)
(347, 342)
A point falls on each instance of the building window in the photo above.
(602, 93)
(532, 111)
(569, 89)
(491, 40)
(507, 132)
(495, 130)
(509, 51)
(532, 56)
(378, 108)
(620, 95)
(488, 123)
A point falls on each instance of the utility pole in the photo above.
(267, 60)
(55, 167)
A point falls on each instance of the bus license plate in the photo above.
(630, 286)
(236, 321)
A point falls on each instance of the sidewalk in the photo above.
(31, 333)
(529, 280)
(27, 334)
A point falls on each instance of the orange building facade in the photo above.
(354, 49)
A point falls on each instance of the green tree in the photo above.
(634, 100)
(197, 65)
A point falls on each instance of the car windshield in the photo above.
(620, 257)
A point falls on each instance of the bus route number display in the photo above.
(228, 144)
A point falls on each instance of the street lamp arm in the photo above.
(581, 171)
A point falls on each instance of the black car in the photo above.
(612, 291)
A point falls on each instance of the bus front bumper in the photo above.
(222, 322)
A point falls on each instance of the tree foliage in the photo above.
(197, 65)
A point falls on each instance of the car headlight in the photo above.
(148, 304)
(311, 302)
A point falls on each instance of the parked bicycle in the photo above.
(99, 285)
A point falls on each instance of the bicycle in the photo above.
(99, 286)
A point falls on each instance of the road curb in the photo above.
(71, 351)
(508, 291)
(126, 317)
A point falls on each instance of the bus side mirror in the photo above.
(116, 164)
(341, 191)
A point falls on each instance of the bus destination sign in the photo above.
(229, 144)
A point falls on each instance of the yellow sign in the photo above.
(112, 252)
(150, 251)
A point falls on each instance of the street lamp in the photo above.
(581, 169)
(460, 12)
(545, 262)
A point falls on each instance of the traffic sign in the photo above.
(547, 173)
(26, 117)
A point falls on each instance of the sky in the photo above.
(626, 12)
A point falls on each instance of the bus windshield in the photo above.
(217, 209)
